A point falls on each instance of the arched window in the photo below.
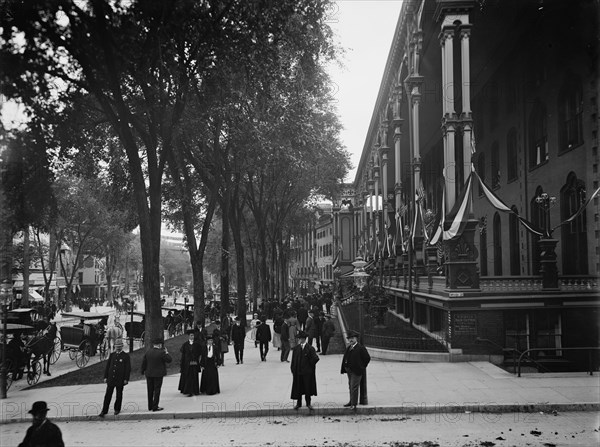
(512, 163)
(573, 234)
(483, 253)
(481, 170)
(514, 243)
(570, 114)
(495, 165)
(497, 245)
(538, 135)
(538, 218)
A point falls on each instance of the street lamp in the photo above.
(360, 280)
(546, 202)
(132, 302)
(5, 294)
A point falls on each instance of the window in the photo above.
(570, 114)
(514, 243)
(497, 245)
(573, 234)
(516, 330)
(538, 136)
(495, 166)
(511, 156)
(481, 170)
(548, 332)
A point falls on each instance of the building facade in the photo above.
(474, 197)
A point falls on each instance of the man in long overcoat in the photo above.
(154, 367)
(189, 380)
(116, 376)
(355, 361)
(303, 367)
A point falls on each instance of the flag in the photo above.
(420, 192)
(336, 260)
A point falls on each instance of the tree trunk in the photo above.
(241, 267)
(26, 262)
(225, 256)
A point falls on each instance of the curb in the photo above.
(290, 413)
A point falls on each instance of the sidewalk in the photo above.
(263, 388)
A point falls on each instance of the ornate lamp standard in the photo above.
(131, 301)
(5, 294)
(547, 244)
(360, 279)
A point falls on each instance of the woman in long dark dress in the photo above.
(189, 383)
(209, 384)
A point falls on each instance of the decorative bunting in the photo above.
(579, 211)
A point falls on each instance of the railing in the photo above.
(421, 344)
(589, 349)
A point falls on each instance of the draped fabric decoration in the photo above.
(419, 199)
(399, 235)
(497, 203)
(338, 255)
(439, 228)
(387, 250)
(579, 211)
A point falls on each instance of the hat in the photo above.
(237, 318)
(258, 323)
(119, 342)
(190, 331)
(157, 341)
(351, 334)
(301, 334)
(39, 407)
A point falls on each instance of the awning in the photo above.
(35, 296)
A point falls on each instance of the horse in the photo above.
(113, 333)
(42, 346)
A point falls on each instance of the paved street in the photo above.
(441, 429)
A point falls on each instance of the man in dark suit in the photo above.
(42, 430)
(310, 327)
(355, 361)
(116, 375)
(238, 335)
(154, 367)
(303, 367)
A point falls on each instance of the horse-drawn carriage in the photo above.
(172, 321)
(135, 328)
(85, 338)
(18, 360)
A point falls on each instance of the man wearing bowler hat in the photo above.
(116, 376)
(355, 361)
(154, 367)
(42, 431)
(303, 367)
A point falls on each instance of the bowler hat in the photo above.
(157, 341)
(351, 334)
(39, 407)
(301, 334)
(119, 342)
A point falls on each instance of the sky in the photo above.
(365, 29)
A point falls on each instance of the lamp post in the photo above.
(5, 294)
(547, 245)
(132, 302)
(360, 279)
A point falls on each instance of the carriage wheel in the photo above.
(103, 349)
(34, 374)
(72, 354)
(82, 356)
(56, 351)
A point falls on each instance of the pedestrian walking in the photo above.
(253, 325)
(277, 322)
(355, 361)
(327, 332)
(116, 376)
(189, 367)
(319, 321)
(302, 314)
(238, 334)
(220, 342)
(209, 384)
(285, 340)
(303, 367)
(263, 335)
(294, 325)
(42, 432)
(310, 327)
(154, 367)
